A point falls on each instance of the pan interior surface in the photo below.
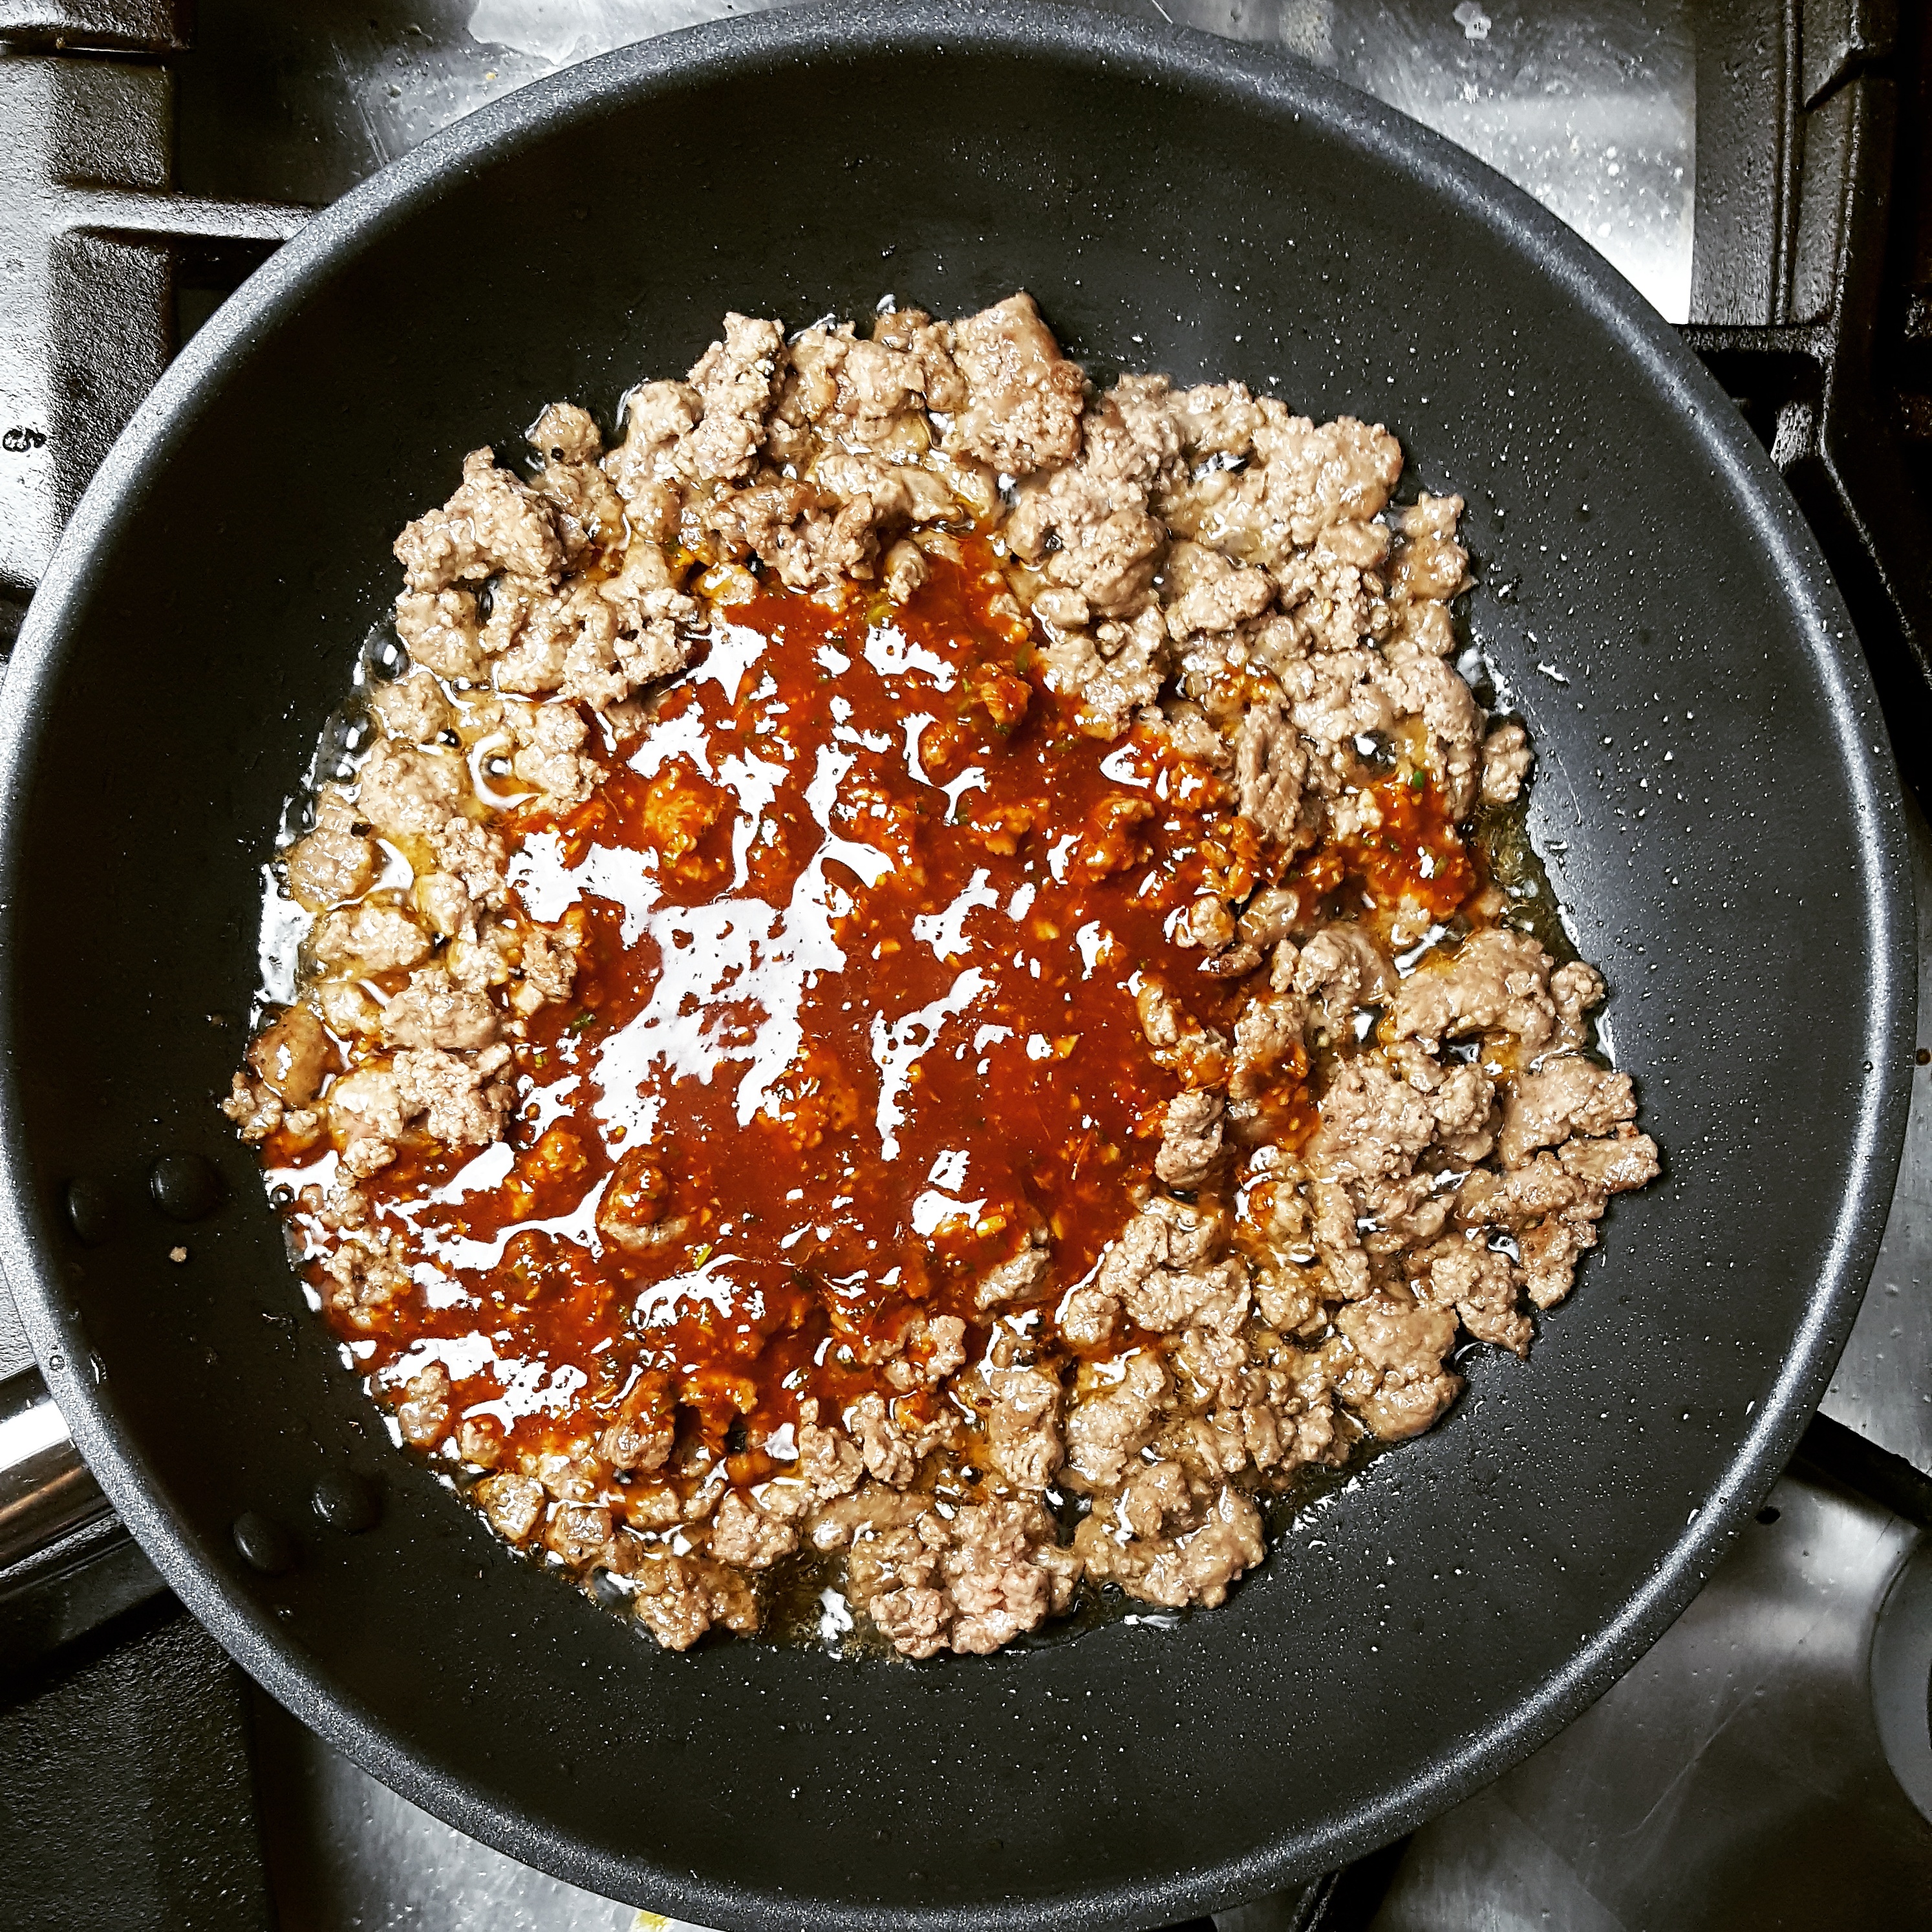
(1709, 794)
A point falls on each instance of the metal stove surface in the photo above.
(1755, 1768)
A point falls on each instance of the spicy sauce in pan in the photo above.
(863, 913)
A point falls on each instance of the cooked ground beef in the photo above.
(903, 986)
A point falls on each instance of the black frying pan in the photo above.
(1713, 790)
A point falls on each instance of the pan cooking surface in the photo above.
(1712, 799)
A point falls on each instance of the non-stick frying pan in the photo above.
(1713, 792)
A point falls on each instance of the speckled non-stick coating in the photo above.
(1713, 787)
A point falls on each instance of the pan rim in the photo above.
(1279, 84)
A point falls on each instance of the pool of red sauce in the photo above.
(993, 866)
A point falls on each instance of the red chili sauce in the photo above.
(862, 916)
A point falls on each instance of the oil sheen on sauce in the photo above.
(862, 914)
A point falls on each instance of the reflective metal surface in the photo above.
(1883, 1387)
(1736, 1777)
(1592, 108)
(45, 1490)
(1901, 1678)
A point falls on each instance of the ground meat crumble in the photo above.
(893, 773)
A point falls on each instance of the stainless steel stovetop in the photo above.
(1769, 1762)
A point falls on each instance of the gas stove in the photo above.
(1757, 169)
